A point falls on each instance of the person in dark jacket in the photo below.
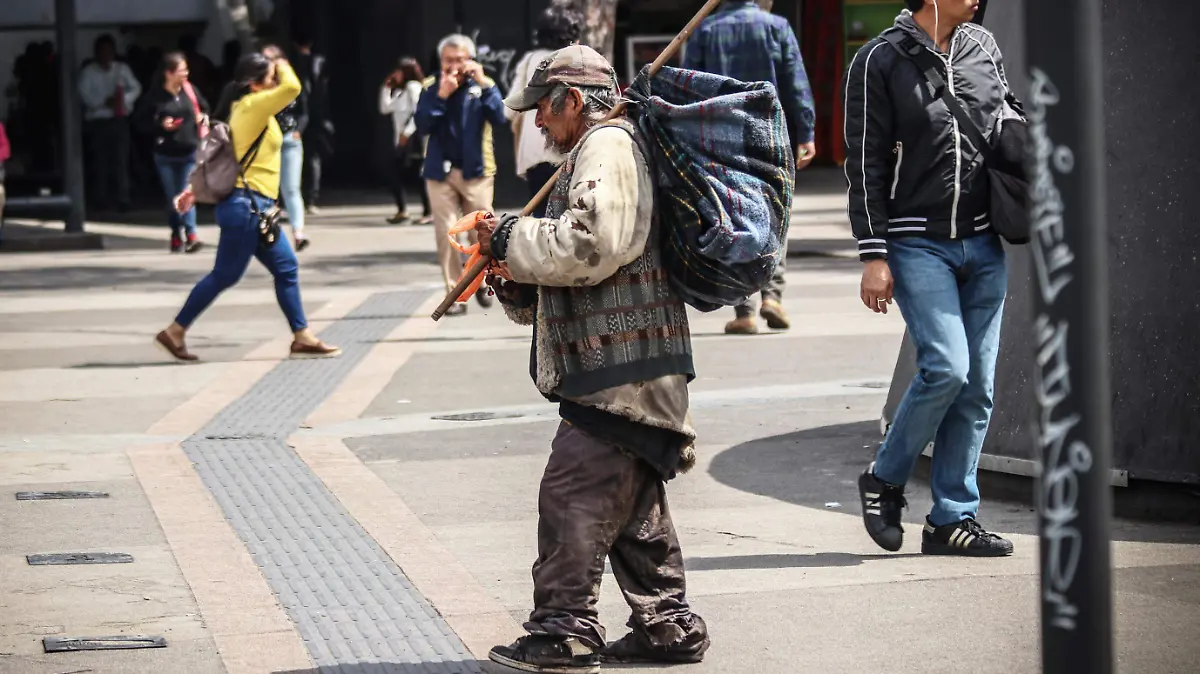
(919, 209)
(293, 122)
(175, 115)
(318, 135)
(745, 41)
(459, 110)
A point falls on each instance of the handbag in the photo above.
(217, 166)
(1004, 161)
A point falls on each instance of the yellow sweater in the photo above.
(246, 120)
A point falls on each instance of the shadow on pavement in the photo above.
(66, 278)
(369, 260)
(819, 466)
(815, 560)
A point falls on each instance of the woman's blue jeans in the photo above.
(174, 172)
(239, 242)
(291, 167)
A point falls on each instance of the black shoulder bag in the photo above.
(268, 220)
(1004, 161)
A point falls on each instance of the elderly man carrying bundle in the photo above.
(612, 346)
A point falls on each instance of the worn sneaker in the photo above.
(548, 655)
(742, 325)
(194, 245)
(302, 244)
(635, 649)
(773, 313)
(882, 504)
(966, 538)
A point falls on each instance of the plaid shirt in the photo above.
(742, 41)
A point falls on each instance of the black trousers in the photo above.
(108, 146)
(314, 151)
(405, 173)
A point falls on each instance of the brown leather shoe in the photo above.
(177, 351)
(318, 350)
(743, 325)
(776, 317)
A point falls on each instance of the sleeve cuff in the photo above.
(872, 249)
(500, 237)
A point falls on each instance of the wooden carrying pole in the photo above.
(667, 54)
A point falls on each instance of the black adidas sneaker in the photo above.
(966, 538)
(548, 655)
(882, 506)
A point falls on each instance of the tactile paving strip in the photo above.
(353, 606)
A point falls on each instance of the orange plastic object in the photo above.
(467, 224)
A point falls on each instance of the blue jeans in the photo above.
(291, 167)
(174, 172)
(951, 293)
(239, 242)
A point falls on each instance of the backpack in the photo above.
(724, 171)
(217, 167)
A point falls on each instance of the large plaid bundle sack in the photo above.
(725, 172)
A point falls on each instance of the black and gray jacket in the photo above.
(911, 170)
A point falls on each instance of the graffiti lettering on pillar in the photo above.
(498, 64)
(1066, 457)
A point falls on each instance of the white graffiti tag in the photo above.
(1065, 458)
(498, 63)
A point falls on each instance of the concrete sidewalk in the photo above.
(378, 513)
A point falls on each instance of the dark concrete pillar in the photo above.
(72, 138)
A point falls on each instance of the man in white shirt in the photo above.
(108, 90)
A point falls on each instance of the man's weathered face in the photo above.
(957, 11)
(562, 129)
(453, 59)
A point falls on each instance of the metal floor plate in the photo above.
(120, 643)
(58, 495)
(352, 605)
(59, 558)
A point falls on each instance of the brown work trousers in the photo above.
(598, 501)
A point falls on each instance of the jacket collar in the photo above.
(906, 23)
(734, 5)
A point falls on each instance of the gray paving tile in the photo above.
(352, 605)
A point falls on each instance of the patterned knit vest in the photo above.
(629, 328)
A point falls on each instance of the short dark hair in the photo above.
(915, 5)
(558, 27)
(104, 40)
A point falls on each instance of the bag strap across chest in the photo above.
(932, 67)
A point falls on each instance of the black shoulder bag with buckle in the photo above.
(1004, 161)
(268, 220)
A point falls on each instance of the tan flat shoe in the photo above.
(318, 350)
(177, 351)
